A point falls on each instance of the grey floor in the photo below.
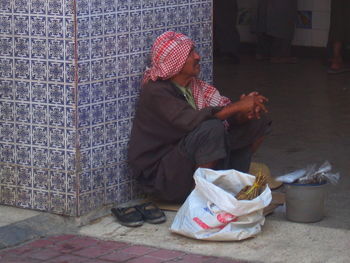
(311, 120)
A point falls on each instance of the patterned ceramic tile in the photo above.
(98, 198)
(98, 135)
(112, 194)
(111, 154)
(7, 153)
(6, 89)
(58, 203)
(41, 135)
(71, 202)
(8, 195)
(6, 132)
(41, 179)
(58, 181)
(98, 179)
(67, 98)
(55, 7)
(8, 175)
(71, 183)
(124, 192)
(98, 157)
(41, 200)
(25, 177)
(24, 198)
(85, 203)
(22, 112)
(85, 181)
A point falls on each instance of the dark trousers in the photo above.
(269, 46)
(172, 178)
(231, 147)
(226, 36)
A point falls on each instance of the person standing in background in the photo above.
(275, 25)
(226, 36)
(339, 34)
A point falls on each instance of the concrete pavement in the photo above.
(279, 241)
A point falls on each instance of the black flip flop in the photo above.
(128, 216)
(151, 213)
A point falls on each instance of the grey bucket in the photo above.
(305, 202)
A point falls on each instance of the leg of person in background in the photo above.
(263, 47)
(236, 36)
(281, 51)
(216, 30)
(263, 41)
(337, 60)
(226, 36)
(339, 33)
(329, 50)
(274, 26)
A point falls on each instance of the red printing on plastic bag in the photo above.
(226, 218)
(223, 218)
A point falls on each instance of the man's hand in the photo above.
(258, 107)
(248, 107)
(254, 93)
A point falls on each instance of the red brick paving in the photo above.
(146, 259)
(138, 250)
(166, 254)
(118, 256)
(67, 258)
(191, 258)
(42, 254)
(77, 249)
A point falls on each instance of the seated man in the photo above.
(182, 123)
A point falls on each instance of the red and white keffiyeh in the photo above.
(169, 54)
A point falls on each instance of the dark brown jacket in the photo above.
(163, 117)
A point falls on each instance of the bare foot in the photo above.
(337, 68)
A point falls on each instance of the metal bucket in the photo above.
(305, 202)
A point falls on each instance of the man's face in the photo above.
(191, 67)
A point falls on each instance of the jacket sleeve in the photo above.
(166, 104)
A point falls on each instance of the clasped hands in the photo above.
(252, 105)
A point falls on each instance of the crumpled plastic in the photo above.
(311, 175)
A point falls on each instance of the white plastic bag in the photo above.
(211, 211)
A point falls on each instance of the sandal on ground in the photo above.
(338, 71)
(151, 213)
(128, 216)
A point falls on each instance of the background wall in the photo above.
(311, 29)
(37, 106)
(69, 80)
(114, 41)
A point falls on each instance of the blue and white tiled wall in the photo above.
(69, 80)
(312, 25)
(37, 129)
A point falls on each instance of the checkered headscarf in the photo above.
(169, 54)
